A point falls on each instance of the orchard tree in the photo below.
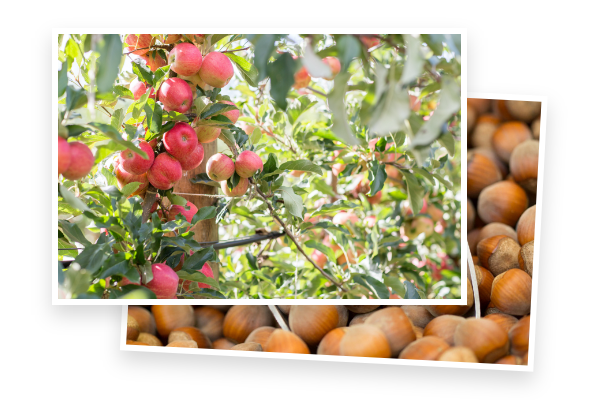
(259, 166)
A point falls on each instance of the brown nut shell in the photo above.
(426, 348)
(443, 327)
(396, 326)
(486, 338)
(511, 292)
(503, 201)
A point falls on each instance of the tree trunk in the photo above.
(204, 231)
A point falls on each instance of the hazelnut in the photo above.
(502, 202)
(481, 173)
(511, 292)
(498, 254)
(508, 136)
(526, 226)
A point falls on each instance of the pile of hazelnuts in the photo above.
(502, 171)
(405, 332)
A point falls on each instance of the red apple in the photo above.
(64, 155)
(193, 159)
(188, 214)
(185, 59)
(415, 103)
(207, 133)
(369, 41)
(301, 78)
(139, 88)
(138, 42)
(238, 191)
(335, 66)
(319, 258)
(134, 163)
(216, 69)
(375, 199)
(247, 163)
(180, 141)
(164, 282)
(82, 161)
(233, 115)
(176, 95)
(370, 221)
(220, 167)
(337, 169)
(165, 172)
(124, 177)
(206, 270)
(343, 217)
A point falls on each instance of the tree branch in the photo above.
(289, 234)
(149, 201)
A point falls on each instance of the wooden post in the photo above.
(204, 231)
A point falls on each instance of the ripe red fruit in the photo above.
(82, 161)
(188, 214)
(220, 167)
(233, 115)
(138, 88)
(176, 95)
(216, 69)
(124, 177)
(165, 172)
(207, 133)
(335, 66)
(301, 78)
(64, 155)
(185, 59)
(164, 282)
(138, 42)
(369, 41)
(238, 191)
(134, 163)
(319, 258)
(193, 159)
(247, 163)
(181, 140)
(206, 270)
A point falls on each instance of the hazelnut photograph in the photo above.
(402, 335)
(265, 167)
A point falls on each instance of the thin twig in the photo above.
(233, 51)
(316, 91)
(287, 232)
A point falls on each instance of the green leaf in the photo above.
(393, 106)
(411, 291)
(293, 202)
(449, 104)
(92, 257)
(142, 71)
(414, 59)
(139, 105)
(217, 108)
(281, 72)
(136, 292)
(264, 46)
(248, 71)
(376, 287)
(116, 120)
(415, 191)
(313, 244)
(177, 200)
(203, 213)
(116, 136)
(314, 65)
(447, 140)
(197, 276)
(73, 232)
(348, 48)
(196, 261)
(122, 91)
(377, 177)
(130, 188)
(154, 116)
(76, 98)
(110, 48)
(335, 99)
(336, 206)
(161, 75)
(72, 200)
(62, 79)
(394, 283)
(301, 165)
(75, 130)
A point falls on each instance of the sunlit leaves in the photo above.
(109, 47)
